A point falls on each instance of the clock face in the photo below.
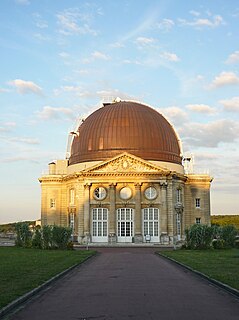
(150, 193)
(125, 193)
(100, 193)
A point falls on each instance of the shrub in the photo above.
(37, 239)
(60, 236)
(218, 243)
(228, 234)
(24, 235)
(46, 237)
(199, 236)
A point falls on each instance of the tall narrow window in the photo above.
(197, 203)
(179, 196)
(52, 203)
(72, 222)
(72, 196)
(178, 225)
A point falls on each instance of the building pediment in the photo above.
(126, 163)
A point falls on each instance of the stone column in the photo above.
(81, 198)
(87, 212)
(164, 215)
(112, 215)
(170, 215)
(138, 238)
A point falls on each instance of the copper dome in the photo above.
(125, 126)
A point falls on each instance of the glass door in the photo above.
(125, 224)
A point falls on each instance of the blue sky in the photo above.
(59, 59)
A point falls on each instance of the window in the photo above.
(197, 202)
(150, 193)
(72, 197)
(178, 225)
(179, 196)
(52, 203)
(198, 220)
(100, 193)
(125, 193)
(72, 222)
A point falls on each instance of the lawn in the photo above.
(221, 265)
(21, 270)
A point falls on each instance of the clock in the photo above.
(150, 193)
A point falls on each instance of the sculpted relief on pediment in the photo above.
(125, 164)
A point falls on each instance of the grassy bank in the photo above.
(221, 265)
(24, 269)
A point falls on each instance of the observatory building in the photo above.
(125, 180)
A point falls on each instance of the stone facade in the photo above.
(124, 199)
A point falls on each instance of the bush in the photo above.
(199, 236)
(228, 234)
(24, 235)
(37, 239)
(60, 236)
(46, 237)
(218, 244)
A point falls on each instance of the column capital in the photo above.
(138, 185)
(163, 185)
(113, 185)
(87, 185)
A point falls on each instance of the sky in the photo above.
(59, 59)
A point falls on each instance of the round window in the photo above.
(150, 193)
(125, 193)
(100, 193)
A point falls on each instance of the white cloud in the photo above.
(165, 25)
(64, 55)
(117, 45)
(99, 55)
(210, 135)
(231, 105)
(2, 90)
(194, 13)
(74, 21)
(233, 58)
(39, 21)
(25, 140)
(170, 56)
(201, 108)
(7, 126)
(41, 37)
(174, 114)
(51, 113)
(214, 22)
(24, 87)
(111, 94)
(224, 79)
(143, 41)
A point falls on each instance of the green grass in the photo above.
(21, 270)
(221, 265)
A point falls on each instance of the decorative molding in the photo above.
(126, 164)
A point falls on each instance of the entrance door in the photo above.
(99, 225)
(125, 224)
(151, 223)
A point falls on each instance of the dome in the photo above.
(125, 126)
